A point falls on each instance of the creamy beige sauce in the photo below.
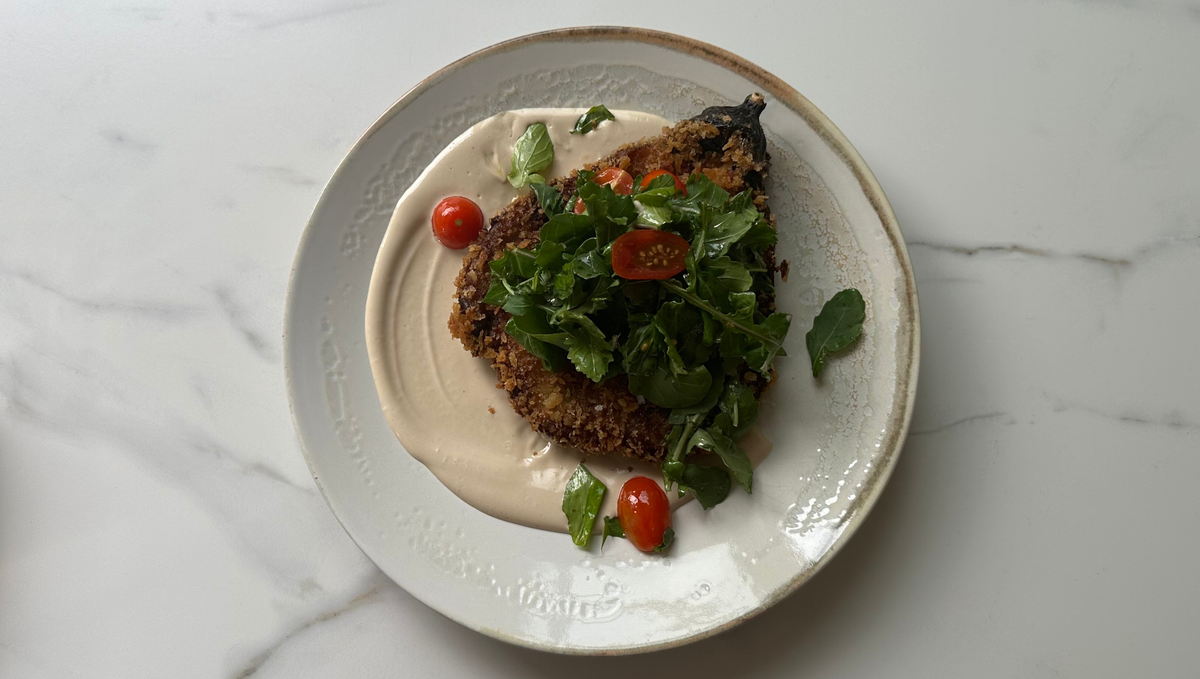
(443, 403)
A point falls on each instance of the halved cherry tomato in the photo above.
(680, 189)
(645, 255)
(618, 179)
(457, 221)
(644, 512)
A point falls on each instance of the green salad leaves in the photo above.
(668, 538)
(594, 116)
(684, 343)
(581, 503)
(532, 153)
(612, 529)
(836, 327)
(672, 339)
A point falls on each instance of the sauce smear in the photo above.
(442, 402)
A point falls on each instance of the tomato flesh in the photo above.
(620, 180)
(644, 512)
(680, 189)
(457, 221)
(646, 255)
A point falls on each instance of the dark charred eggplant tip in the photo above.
(745, 113)
(755, 101)
(741, 118)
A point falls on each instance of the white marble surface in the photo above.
(157, 165)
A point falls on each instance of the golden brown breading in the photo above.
(567, 406)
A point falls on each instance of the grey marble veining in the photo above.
(160, 161)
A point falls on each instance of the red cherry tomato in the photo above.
(645, 255)
(680, 189)
(457, 221)
(644, 512)
(580, 208)
(618, 179)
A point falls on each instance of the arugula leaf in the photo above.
(657, 192)
(564, 286)
(731, 454)
(711, 328)
(760, 236)
(717, 278)
(836, 327)
(497, 291)
(667, 324)
(654, 211)
(741, 201)
(654, 216)
(761, 342)
(581, 503)
(662, 185)
(742, 306)
(710, 485)
(518, 304)
(720, 424)
(565, 228)
(508, 273)
(549, 198)
(579, 316)
(672, 391)
(672, 465)
(641, 349)
(701, 191)
(590, 262)
(590, 354)
(549, 255)
(611, 214)
(594, 116)
(516, 264)
(681, 327)
(667, 539)
(773, 330)
(738, 403)
(716, 391)
(612, 528)
(529, 330)
(723, 231)
(532, 153)
(603, 203)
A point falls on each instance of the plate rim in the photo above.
(901, 416)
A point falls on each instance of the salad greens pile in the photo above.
(683, 343)
(693, 343)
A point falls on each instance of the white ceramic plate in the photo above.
(836, 439)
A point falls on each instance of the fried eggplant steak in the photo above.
(725, 143)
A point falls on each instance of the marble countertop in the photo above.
(160, 161)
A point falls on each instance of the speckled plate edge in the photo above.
(908, 356)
